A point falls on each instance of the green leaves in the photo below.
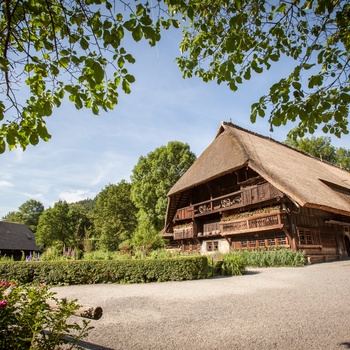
(68, 51)
(115, 216)
(141, 25)
(98, 72)
(29, 304)
(2, 145)
(55, 50)
(315, 80)
(251, 35)
(154, 175)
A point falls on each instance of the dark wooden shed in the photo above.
(16, 240)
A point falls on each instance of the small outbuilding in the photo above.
(248, 191)
(16, 240)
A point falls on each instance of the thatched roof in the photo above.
(16, 237)
(308, 181)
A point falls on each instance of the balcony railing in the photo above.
(259, 222)
(183, 233)
(248, 196)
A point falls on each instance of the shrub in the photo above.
(163, 254)
(232, 265)
(111, 271)
(28, 322)
(104, 255)
(6, 258)
(278, 258)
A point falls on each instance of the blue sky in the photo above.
(86, 152)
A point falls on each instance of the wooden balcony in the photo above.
(239, 199)
(184, 213)
(275, 219)
(183, 233)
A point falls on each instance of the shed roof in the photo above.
(16, 237)
(307, 180)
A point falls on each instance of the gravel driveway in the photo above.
(270, 308)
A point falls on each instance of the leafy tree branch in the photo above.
(76, 49)
(230, 41)
(64, 48)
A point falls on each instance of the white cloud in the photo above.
(37, 196)
(76, 195)
(5, 184)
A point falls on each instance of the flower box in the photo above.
(261, 221)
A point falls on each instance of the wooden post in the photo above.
(94, 313)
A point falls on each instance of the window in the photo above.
(244, 242)
(252, 242)
(212, 246)
(308, 236)
(261, 242)
(270, 238)
(281, 238)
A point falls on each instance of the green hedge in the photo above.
(114, 271)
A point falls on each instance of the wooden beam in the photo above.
(92, 312)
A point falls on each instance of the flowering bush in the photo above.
(28, 322)
(33, 256)
(249, 213)
(186, 225)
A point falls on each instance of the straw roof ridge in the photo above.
(235, 126)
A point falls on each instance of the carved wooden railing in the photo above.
(232, 200)
(183, 233)
(238, 199)
(259, 222)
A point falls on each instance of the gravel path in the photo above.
(272, 308)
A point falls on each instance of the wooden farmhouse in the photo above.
(16, 240)
(248, 191)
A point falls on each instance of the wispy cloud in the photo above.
(5, 184)
(76, 195)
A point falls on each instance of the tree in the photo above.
(28, 214)
(155, 174)
(57, 227)
(343, 158)
(82, 224)
(321, 147)
(229, 41)
(88, 204)
(66, 48)
(61, 47)
(146, 238)
(13, 216)
(114, 216)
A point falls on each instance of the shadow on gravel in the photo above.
(91, 346)
(251, 272)
(346, 345)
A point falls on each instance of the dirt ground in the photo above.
(271, 308)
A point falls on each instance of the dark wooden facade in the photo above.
(241, 209)
(256, 215)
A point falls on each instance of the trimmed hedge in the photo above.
(114, 271)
